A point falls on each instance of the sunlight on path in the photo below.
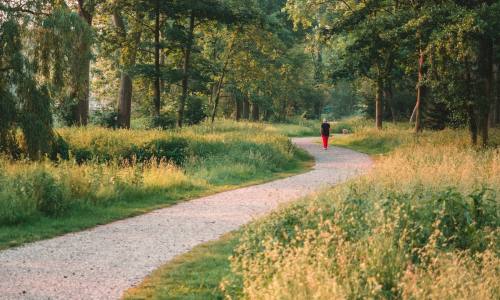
(103, 262)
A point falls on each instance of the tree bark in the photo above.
(221, 79)
(494, 104)
(128, 59)
(486, 72)
(82, 93)
(471, 114)
(378, 105)
(156, 86)
(246, 108)
(255, 112)
(186, 68)
(267, 115)
(420, 92)
(497, 89)
(217, 95)
(238, 107)
(388, 95)
(412, 117)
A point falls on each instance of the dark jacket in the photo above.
(325, 129)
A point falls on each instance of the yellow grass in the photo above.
(394, 233)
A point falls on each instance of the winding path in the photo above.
(101, 263)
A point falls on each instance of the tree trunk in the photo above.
(284, 104)
(472, 124)
(486, 72)
(238, 107)
(494, 103)
(125, 101)
(420, 93)
(378, 105)
(497, 89)
(81, 109)
(471, 114)
(255, 112)
(388, 95)
(185, 77)
(156, 86)
(128, 57)
(267, 115)
(221, 79)
(246, 108)
(217, 95)
(412, 117)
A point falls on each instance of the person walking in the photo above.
(325, 133)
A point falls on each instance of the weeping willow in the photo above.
(39, 69)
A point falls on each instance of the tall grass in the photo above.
(106, 167)
(423, 224)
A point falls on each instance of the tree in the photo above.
(129, 39)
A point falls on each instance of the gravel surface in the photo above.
(101, 263)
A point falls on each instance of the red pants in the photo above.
(325, 141)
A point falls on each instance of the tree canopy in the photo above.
(176, 62)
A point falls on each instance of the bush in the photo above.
(60, 149)
(174, 150)
(109, 165)
(47, 193)
(195, 110)
(16, 206)
(106, 117)
(163, 121)
(82, 155)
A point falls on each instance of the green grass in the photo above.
(431, 198)
(423, 224)
(40, 200)
(194, 275)
(368, 145)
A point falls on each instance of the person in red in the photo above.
(325, 133)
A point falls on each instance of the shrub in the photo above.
(16, 206)
(174, 150)
(47, 193)
(163, 121)
(106, 117)
(82, 155)
(110, 165)
(195, 110)
(60, 149)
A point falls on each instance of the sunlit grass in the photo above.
(43, 199)
(194, 275)
(423, 224)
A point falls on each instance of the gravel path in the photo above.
(101, 263)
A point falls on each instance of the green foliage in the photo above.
(30, 194)
(112, 174)
(24, 103)
(48, 194)
(195, 110)
(36, 120)
(60, 63)
(60, 149)
(105, 117)
(163, 121)
(16, 206)
(174, 150)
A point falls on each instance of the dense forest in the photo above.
(171, 63)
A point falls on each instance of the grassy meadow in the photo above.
(100, 175)
(423, 224)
